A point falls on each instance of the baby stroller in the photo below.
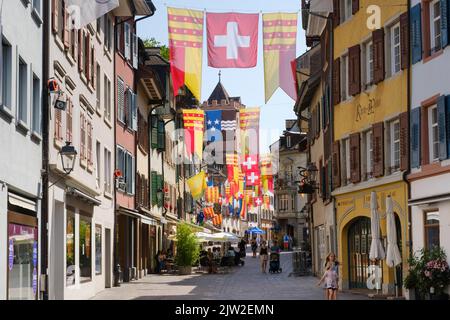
(275, 263)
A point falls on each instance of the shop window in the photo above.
(431, 226)
(85, 250)
(70, 248)
(98, 250)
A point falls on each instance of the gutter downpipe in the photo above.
(45, 153)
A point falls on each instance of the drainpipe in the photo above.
(45, 152)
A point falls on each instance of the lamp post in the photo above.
(308, 184)
(68, 156)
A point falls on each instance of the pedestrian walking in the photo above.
(264, 256)
(254, 247)
(242, 248)
(286, 242)
(330, 277)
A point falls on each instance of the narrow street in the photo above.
(242, 283)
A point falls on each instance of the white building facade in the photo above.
(429, 126)
(21, 144)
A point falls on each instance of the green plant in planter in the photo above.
(429, 273)
(187, 246)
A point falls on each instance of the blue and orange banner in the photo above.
(194, 124)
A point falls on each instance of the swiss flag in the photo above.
(232, 40)
(253, 178)
(250, 163)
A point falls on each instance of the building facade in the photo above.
(429, 127)
(81, 204)
(21, 157)
(370, 104)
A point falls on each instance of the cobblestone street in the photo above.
(242, 283)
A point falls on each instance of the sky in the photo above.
(246, 83)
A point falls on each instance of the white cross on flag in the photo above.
(249, 163)
(232, 40)
(253, 178)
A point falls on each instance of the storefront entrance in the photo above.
(22, 257)
(359, 240)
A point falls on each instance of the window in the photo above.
(345, 161)
(127, 38)
(99, 24)
(369, 63)
(125, 163)
(61, 15)
(344, 78)
(98, 87)
(107, 171)
(70, 248)
(346, 10)
(433, 133)
(36, 125)
(108, 33)
(107, 97)
(395, 49)
(284, 202)
(369, 154)
(98, 249)
(98, 163)
(431, 228)
(37, 6)
(85, 250)
(83, 155)
(7, 74)
(395, 145)
(121, 100)
(435, 25)
(23, 92)
(288, 141)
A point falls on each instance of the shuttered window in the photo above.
(336, 13)
(368, 53)
(345, 162)
(355, 158)
(154, 188)
(161, 136)
(354, 70)
(121, 100)
(344, 78)
(87, 56)
(89, 130)
(442, 131)
(404, 141)
(154, 133)
(355, 6)
(368, 154)
(69, 121)
(395, 145)
(396, 57)
(416, 33)
(121, 165)
(378, 55)
(81, 45)
(58, 125)
(55, 13)
(433, 133)
(336, 165)
(435, 26)
(83, 136)
(404, 32)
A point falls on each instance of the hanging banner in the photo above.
(249, 131)
(194, 123)
(232, 40)
(186, 49)
(280, 40)
(214, 125)
(83, 12)
(196, 185)
(212, 195)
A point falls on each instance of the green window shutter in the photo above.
(161, 136)
(160, 184)
(154, 133)
(154, 188)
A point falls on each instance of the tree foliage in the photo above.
(153, 43)
(187, 246)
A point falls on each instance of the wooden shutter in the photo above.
(154, 188)
(66, 33)
(154, 135)
(378, 149)
(138, 191)
(58, 124)
(442, 128)
(69, 121)
(82, 137)
(444, 23)
(80, 50)
(416, 33)
(425, 144)
(354, 70)
(94, 69)
(336, 13)
(89, 142)
(355, 158)
(404, 40)
(161, 135)
(120, 99)
(336, 163)
(378, 55)
(404, 141)
(55, 12)
(355, 6)
(74, 34)
(336, 81)
(415, 137)
(87, 50)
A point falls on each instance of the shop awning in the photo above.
(83, 196)
(427, 200)
(22, 202)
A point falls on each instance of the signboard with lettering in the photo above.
(11, 254)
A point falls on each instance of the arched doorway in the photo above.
(359, 240)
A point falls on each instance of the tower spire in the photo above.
(220, 75)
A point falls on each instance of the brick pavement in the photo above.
(242, 283)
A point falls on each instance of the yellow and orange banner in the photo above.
(196, 185)
(280, 41)
(249, 120)
(186, 49)
(212, 195)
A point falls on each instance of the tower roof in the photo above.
(219, 94)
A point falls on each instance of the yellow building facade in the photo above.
(370, 152)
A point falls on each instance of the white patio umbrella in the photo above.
(393, 257)
(376, 248)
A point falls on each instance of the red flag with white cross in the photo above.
(232, 40)
(253, 178)
(249, 163)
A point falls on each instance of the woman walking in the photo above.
(254, 247)
(264, 256)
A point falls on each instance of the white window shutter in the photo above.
(127, 41)
(135, 51)
(133, 176)
(135, 111)
(129, 109)
(1, 67)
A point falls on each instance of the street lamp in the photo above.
(68, 155)
(308, 184)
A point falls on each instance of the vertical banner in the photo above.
(280, 41)
(196, 185)
(249, 131)
(194, 123)
(186, 49)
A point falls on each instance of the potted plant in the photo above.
(187, 249)
(429, 274)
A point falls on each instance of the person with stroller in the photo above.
(264, 256)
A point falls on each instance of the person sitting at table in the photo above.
(161, 261)
(216, 253)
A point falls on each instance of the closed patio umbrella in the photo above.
(376, 248)
(393, 257)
